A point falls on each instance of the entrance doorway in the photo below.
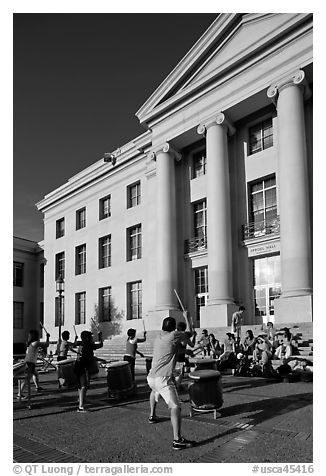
(267, 286)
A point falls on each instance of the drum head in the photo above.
(117, 364)
(204, 375)
(204, 361)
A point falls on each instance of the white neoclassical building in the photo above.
(214, 199)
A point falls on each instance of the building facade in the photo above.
(213, 200)
(28, 285)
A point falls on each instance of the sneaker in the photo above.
(81, 410)
(153, 419)
(22, 398)
(182, 444)
(39, 389)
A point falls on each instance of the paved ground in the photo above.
(261, 421)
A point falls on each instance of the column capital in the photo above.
(295, 79)
(219, 119)
(166, 148)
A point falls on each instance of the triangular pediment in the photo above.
(228, 43)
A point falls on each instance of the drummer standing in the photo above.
(83, 363)
(160, 378)
(63, 348)
(131, 349)
(33, 344)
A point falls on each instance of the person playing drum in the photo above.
(63, 348)
(160, 378)
(33, 344)
(85, 356)
(131, 349)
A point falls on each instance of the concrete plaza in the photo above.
(261, 421)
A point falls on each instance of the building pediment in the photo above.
(230, 44)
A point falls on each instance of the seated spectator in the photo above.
(228, 359)
(214, 346)
(202, 344)
(249, 343)
(285, 349)
(262, 352)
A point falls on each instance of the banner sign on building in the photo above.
(264, 248)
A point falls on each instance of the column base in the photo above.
(154, 319)
(293, 309)
(217, 315)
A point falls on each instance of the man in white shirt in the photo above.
(160, 378)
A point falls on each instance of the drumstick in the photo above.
(183, 309)
(43, 327)
(180, 302)
(95, 324)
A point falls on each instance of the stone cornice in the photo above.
(295, 79)
(219, 119)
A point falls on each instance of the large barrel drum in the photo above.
(119, 378)
(205, 364)
(205, 389)
(66, 372)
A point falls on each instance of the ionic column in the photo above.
(288, 95)
(219, 238)
(166, 237)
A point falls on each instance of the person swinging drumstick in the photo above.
(84, 360)
(160, 378)
(131, 349)
(33, 344)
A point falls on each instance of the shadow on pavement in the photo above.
(270, 407)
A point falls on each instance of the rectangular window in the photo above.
(201, 288)
(134, 242)
(200, 219)
(105, 207)
(42, 275)
(134, 291)
(80, 308)
(133, 195)
(105, 304)
(18, 274)
(261, 136)
(60, 265)
(263, 202)
(80, 218)
(59, 311)
(104, 250)
(199, 164)
(80, 259)
(18, 315)
(60, 228)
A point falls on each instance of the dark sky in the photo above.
(78, 81)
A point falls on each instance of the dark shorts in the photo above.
(82, 373)
(30, 366)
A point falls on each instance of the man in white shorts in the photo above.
(160, 378)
